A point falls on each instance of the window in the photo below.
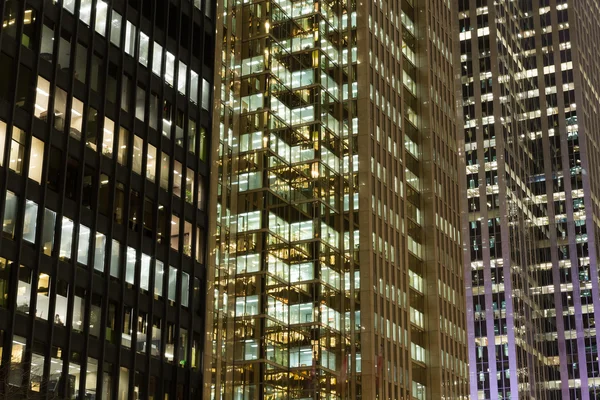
(42, 95)
(145, 272)
(140, 100)
(156, 337)
(100, 242)
(138, 146)
(129, 46)
(30, 221)
(83, 245)
(17, 150)
(85, 11)
(151, 163)
(66, 238)
(101, 15)
(43, 297)
(36, 159)
(48, 231)
(108, 137)
(76, 118)
(170, 69)
(175, 232)
(171, 293)
(10, 214)
(24, 290)
(144, 46)
(64, 51)
(185, 289)
(4, 279)
(81, 63)
(130, 265)
(159, 271)
(95, 314)
(157, 59)
(91, 136)
(205, 94)
(79, 308)
(47, 46)
(177, 178)
(189, 186)
(122, 150)
(60, 109)
(164, 171)
(2, 141)
(115, 266)
(115, 30)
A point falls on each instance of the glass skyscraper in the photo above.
(335, 269)
(529, 85)
(105, 121)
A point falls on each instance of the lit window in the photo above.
(151, 163)
(108, 137)
(145, 272)
(10, 214)
(137, 154)
(30, 221)
(36, 159)
(115, 30)
(144, 46)
(100, 242)
(83, 245)
(17, 150)
(66, 238)
(157, 59)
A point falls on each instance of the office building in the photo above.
(529, 84)
(104, 137)
(335, 269)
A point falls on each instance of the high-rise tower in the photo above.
(104, 129)
(529, 93)
(337, 265)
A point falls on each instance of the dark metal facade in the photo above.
(104, 130)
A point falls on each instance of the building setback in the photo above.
(529, 86)
(104, 135)
(337, 263)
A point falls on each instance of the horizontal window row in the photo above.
(76, 241)
(24, 376)
(100, 132)
(149, 53)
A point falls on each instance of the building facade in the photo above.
(335, 269)
(104, 133)
(529, 94)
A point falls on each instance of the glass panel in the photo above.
(144, 46)
(42, 95)
(17, 150)
(43, 297)
(130, 265)
(185, 289)
(129, 46)
(115, 29)
(83, 245)
(159, 278)
(108, 137)
(10, 214)
(101, 16)
(66, 238)
(30, 221)
(157, 59)
(151, 163)
(172, 283)
(122, 151)
(36, 159)
(48, 231)
(138, 146)
(115, 267)
(99, 252)
(145, 272)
